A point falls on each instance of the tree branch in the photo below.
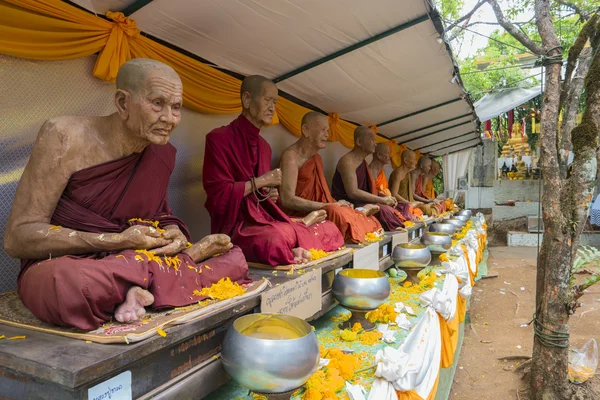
(514, 31)
(467, 16)
(582, 13)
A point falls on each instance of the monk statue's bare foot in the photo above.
(209, 246)
(315, 217)
(301, 256)
(370, 209)
(132, 309)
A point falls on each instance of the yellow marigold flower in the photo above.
(370, 338)
(224, 289)
(317, 254)
(407, 284)
(357, 327)
(348, 335)
(444, 257)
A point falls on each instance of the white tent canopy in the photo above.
(493, 104)
(378, 63)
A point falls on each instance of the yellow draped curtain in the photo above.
(54, 30)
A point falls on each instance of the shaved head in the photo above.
(311, 117)
(361, 132)
(253, 85)
(423, 161)
(435, 167)
(409, 158)
(382, 148)
(259, 99)
(133, 74)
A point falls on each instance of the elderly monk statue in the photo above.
(418, 176)
(353, 182)
(304, 188)
(241, 188)
(91, 221)
(381, 158)
(401, 184)
(426, 186)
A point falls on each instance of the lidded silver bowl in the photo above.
(455, 221)
(436, 241)
(442, 228)
(361, 289)
(270, 353)
(410, 255)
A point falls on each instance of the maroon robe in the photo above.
(83, 291)
(387, 215)
(233, 155)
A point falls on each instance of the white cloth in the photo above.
(455, 165)
(443, 301)
(414, 366)
(355, 392)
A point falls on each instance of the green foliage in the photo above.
(587, 257)
(438, 181)
(450, 9)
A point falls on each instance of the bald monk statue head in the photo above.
(435, 168)
(364, 140)
(400, 184)
(315, 131)
(259, 98)
(92, 194)
(381, 158)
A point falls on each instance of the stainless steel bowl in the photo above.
(463, 218)
(443, 228)
(411, 255)
(436, 241)
(455, 221)
(466, 213)
(270, 353)
(361, 289)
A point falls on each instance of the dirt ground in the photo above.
(499, 309)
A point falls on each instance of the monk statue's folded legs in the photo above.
(84, 292)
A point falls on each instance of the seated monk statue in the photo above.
(401, 184)
(91, 222)
(304, 188)
(418, 176)
(352, 181)
(428, 189)
(241, 188)
(381, 158)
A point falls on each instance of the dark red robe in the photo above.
(233, 155)
(389, 218)
(83, 291)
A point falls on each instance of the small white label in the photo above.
(385, 250)
(116, 388)
(367, 257)
(337, 271)
(413, 235)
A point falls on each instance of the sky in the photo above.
(472, 42)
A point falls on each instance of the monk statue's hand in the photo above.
(274, 194)
(345, 203)
(416, 204)
(390, 201)
(209, 246)
(178, 242)
(139, 237)
(271, 178)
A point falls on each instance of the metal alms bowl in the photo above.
(463, 218)
(411, 255)
(443, 228)
(455, 221)
(466, 213)
(437, 241)
(361, 289)
(270, 353)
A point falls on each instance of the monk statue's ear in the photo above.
(246, 100)
(303, 130)
(122, 101)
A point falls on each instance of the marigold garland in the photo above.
(224, 289)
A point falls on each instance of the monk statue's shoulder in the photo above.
(66, 133)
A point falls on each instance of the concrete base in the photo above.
(520, 209)
(519, 191)
(525, 239)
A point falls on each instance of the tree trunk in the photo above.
(549, 363)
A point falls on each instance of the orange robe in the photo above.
(381, 183)
(423, 192)
(312, 186)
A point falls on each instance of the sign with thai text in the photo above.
(116, 388)
(300, 297)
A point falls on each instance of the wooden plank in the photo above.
(73, 363)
